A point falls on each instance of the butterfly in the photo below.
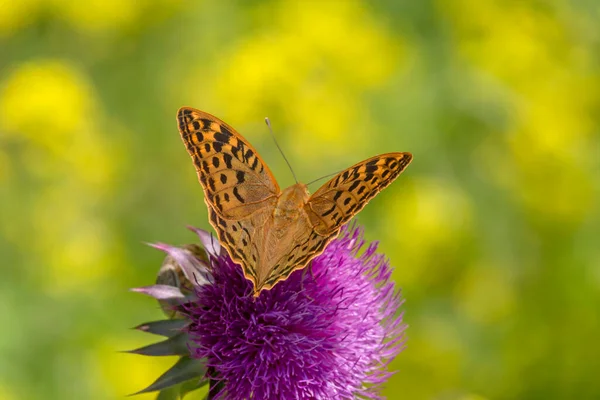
(270, 232)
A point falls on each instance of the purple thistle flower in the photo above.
(327, 332)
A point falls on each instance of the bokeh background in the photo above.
(494, 230)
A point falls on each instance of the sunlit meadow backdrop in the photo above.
(493, 230)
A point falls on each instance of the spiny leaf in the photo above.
(173, 346)
(165, 327)
(184, 370)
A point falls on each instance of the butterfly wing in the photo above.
(303, 246)
(239, 189)
(330, 207)
(338, 200)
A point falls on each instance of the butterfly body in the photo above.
(290, 204)
(271, 232)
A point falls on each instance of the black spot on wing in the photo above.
(235, 151)
(345, 175)
(211, 184)
(227, 158)
(237, 195)
(225, 132)
(326, 213)
(240, 176)
(370, 169)
(229, 237)
(352, 208)
(365, 196)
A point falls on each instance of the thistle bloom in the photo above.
(327, 332)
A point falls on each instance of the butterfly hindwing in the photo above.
(306, 247)
(343, 196)
(240, 238)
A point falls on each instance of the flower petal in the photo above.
(208, 240)
(195, 270)
(161, 292)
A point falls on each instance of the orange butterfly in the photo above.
(270, 232)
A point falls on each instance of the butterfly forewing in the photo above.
(235, 179)
(338, 200)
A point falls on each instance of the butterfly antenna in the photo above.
(323, 177)
(268, 122)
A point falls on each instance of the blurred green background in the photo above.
(493, 230)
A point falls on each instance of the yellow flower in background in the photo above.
(79, 249)
(99, 15)
(49, 109)
(46, 101)
(434, 216)
(316, 80)
(49, 106)
(15, 14)
(554, 95)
